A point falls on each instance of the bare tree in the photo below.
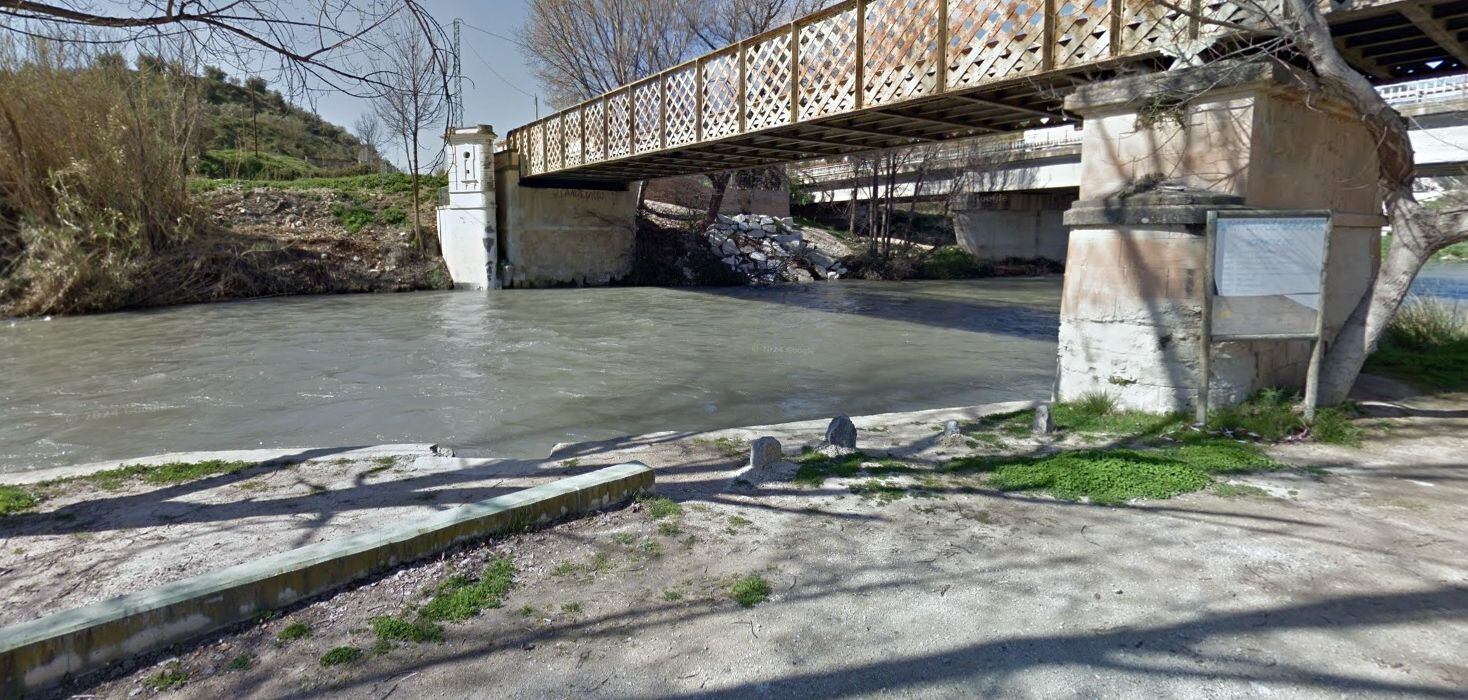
(368, 129)
(582, 48)
(323, 44)
(413, 98)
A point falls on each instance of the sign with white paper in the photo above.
(1259, 257)
(1267, 274)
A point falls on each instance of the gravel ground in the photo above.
(1347, 577)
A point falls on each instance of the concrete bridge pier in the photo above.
(556, 236)
(1003, 225)
(1226, 136)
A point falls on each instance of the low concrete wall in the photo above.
(556, 236)
(44, 652)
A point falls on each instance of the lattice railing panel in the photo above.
(721, 96)
(552, 130)
(619, 131)
(828, 66)
(682, 96)
(1249, 13)
(647, 100)
(571, 122)
(993, 39)
(537, 149)
(595, 116)
(1082, 31)
(901, 50)
(767, 83)
(1149, 26)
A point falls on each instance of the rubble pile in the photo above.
(768, 250)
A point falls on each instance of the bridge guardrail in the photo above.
(856, 55)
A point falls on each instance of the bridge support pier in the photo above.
(1227, 135)
(1022, 225)
(561, 236)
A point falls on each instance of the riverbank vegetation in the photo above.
(103, 203)
(1426, 344)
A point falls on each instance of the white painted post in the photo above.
(466, 227)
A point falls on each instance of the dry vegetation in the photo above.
(97, 213)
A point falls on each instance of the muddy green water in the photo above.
(511, 373)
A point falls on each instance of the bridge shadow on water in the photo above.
(955, 305)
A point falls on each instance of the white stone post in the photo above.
(466, 221)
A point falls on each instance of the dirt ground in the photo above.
(1345, 577)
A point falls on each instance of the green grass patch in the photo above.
(353, 217)
(387, 183)
(460, 598)
(739, 521)
(341, 655)
(571, 608)
(162, 474)
(1239, 491)
(1119, 475)
(1273, 414)
(750, 590)
(659, 507)
(814, 468)
(292, 632)
(1426, 344)
(672, 596)
(171, 678)
(243, 662)
(14, 499)
(879, 490)
(395, 629)
(669, 529)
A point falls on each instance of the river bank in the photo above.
(1035, 594)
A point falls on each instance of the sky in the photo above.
(498, 87)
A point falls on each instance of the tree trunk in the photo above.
(1416, 232)
(720, 183)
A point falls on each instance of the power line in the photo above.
(506, 81)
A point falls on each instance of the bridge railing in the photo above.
(856, 55)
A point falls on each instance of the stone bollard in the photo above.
(1044, 424)
(764, 450)
(841, 432)
(951, 436)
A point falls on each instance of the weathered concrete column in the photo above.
(562, 236)
(1220, 136)
(1021, 225)
(466, 226)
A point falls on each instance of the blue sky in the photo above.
(496, 78)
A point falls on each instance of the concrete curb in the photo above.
(44, 652)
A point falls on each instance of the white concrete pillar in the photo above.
(466, 221)
(1222, 135)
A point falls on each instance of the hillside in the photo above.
(253, 132)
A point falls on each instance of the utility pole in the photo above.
(456, 104)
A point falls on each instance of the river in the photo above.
(511, 373)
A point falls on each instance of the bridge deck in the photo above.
(866, 75)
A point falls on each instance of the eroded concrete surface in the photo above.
(1348, 578)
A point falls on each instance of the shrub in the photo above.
(952, 262)
(93, 183)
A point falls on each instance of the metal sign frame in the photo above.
(1312, 376)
